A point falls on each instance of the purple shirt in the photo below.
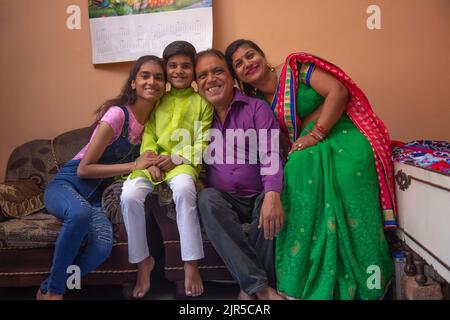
(262, 169)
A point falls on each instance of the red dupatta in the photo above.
(359, 111)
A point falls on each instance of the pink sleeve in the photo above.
(115, 118)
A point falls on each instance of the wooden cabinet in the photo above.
(423, 199)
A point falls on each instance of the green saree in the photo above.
(332, 245)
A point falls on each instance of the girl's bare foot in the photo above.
(47, 296)
(142, 286)
(193, 284)
(243, 296)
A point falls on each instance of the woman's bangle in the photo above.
(134, 165)
(315, 135)
(321, 129)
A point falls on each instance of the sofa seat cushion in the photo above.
(34, 231)
(40, 230)
(20, 198)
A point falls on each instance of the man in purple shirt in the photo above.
(244, 181)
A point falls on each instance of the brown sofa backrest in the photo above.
(40, 160)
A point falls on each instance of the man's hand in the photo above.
(271, 216)
(156, 173)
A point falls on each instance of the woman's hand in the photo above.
(156, 173)
(302, 143)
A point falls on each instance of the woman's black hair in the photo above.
(179, 47)
(231, 49)
(128, 94)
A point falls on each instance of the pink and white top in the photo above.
(115, 118)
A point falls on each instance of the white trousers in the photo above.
(132, 200)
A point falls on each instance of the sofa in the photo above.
(27, 241)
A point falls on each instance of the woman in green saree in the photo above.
(338, 184)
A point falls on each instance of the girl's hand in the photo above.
(302, 143)
(156, 173)
(146, 160)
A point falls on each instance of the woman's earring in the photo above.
(168, 86)
(272, 69)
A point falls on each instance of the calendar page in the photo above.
(124, 30)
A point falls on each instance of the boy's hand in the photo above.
(165, 163)
(156, 173)
(150, 154)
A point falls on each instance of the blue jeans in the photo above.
(82, 221)
(77, 202)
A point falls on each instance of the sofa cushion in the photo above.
(40, 230)
(68, 144)
(111, 202)
(40, 160)
(20, 198)
(34, 231)
(31, 161)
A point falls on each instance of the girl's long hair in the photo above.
(128, 95)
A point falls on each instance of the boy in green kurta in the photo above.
(174, 137)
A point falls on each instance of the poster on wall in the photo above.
(124, 30)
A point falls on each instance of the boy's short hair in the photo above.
(179, 47)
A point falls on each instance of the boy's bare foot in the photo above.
(193, 284)
(243, 296)
(268, 293)
(47, 296)
(142, 286)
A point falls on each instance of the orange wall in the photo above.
(48, 84)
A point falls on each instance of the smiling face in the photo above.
(180, 71)
(215, 82)
(249, 65)
(149, 82)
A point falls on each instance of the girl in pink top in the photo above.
(74, 195)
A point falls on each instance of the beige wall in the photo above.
(48, 84)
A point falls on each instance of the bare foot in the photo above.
(47, 296)
(243, 296)
(268, 293)
(193, 284)
(142, 286)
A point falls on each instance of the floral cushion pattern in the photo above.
(20, 198)
(111, 202)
